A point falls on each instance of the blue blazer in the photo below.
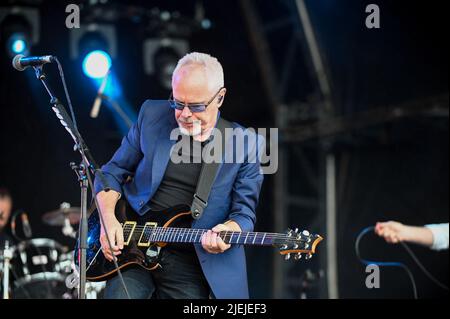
(144, 155)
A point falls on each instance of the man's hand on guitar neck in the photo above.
(107, 202)
(212, 243)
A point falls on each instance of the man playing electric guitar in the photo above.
(214, 268)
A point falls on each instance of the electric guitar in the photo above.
(145, 235)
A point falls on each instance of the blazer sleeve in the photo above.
(246, 189)
(125, 159)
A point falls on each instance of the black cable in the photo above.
(422, 267)
(383, 264)
(397, 264)
(66, 91)
(119, 272)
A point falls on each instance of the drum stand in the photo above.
(7, 255)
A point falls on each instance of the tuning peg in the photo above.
(298, 256)
(295, 246)
(289, 232)
(284, 246)
(306, 246)
(296, 231)
(308, 256)
(306, 233)
(287, 256)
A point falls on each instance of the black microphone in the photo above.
(20, 62)
(26, 225)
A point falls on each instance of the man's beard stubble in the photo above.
(195, 129)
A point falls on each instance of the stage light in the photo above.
(96, 64)
(161, 57)
(93, 37)
(18, 44)
(94, 47)
(206, 24)
(19, 29)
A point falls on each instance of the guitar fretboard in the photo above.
(149, 234)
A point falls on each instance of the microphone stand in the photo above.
(87, 162)
(7, 255)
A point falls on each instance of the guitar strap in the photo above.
(208, 173)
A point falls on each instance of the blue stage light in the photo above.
(96, 64)
(18, 44)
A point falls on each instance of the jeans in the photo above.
(180, 277)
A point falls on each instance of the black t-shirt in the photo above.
(179, 184)
(180, 179)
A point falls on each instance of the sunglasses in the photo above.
(193, 107)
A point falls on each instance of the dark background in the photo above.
(394, 171)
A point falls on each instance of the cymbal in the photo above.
(57, 217)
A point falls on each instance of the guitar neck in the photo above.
(149, 234)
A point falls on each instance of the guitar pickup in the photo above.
(144, 240)
(128, 230)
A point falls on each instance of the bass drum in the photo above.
(35, 270)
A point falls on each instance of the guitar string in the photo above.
(176, 229)
(189, 231)
(164, 235)
(184, 232)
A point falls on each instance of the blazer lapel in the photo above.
(162, 154)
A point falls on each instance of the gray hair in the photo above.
(212, 66)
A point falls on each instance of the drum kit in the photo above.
(41, 268)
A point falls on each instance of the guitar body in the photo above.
(137, 252)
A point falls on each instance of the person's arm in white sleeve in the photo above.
(440, 236)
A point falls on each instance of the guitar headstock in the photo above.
(297, 244)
